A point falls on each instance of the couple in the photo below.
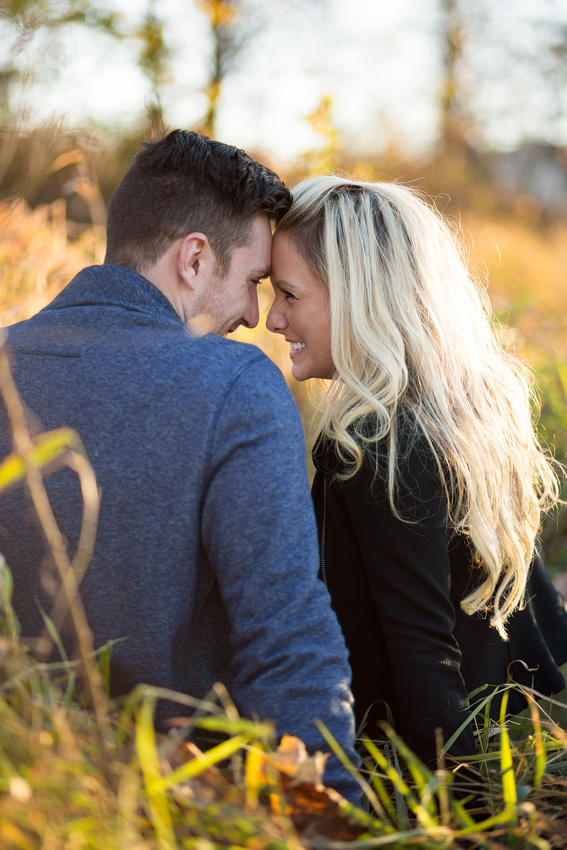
(429, 485)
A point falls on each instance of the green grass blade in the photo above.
(400, 785)
(8, 619)
(421, 775)
(509, 790)
(234, 727)
(381, 790)
(54, 634)
(160, 814)
(474, 711)
(47, 448)
(540, 753)
(198, 765)
(338, 751)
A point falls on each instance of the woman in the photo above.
(430, 484)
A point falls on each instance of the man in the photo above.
(206, 557)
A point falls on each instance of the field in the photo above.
(76, 778)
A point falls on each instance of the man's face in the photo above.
(231, 300)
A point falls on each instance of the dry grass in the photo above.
(526, 269)
(38, 257)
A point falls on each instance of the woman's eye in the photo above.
(287, 295)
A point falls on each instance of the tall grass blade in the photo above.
(8, 619)
(509, 789)
(540, 753)
(482, 705)
(54, 634)
(149, 763)
(347, 764)
(397, 780)
(380, 787)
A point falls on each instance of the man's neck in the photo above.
(163, 275)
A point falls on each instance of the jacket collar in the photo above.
(115, 286)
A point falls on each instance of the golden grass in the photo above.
(526, 272)
(38, 257)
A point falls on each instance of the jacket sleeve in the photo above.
(407, 563)
(258, 528)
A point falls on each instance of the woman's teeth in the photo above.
(296, 346)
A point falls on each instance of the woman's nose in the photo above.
(275, 321)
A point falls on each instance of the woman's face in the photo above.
(300, 311)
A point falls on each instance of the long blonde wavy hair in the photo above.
(412, 335)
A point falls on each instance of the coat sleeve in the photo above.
(259, 531)
(408, 568)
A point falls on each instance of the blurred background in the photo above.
(465, 99)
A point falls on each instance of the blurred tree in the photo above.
(154, 60)
(21, 20)
(504, 84)
(452, 121)
(225, 17)
(454, 165)
(27, 151)
(327, 156)
(234, 25)
(504, 72)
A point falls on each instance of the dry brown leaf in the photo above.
(292, 760)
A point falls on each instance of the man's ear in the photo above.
(195, 260)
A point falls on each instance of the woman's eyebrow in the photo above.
(283, 283)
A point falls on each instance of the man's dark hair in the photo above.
(186, 182)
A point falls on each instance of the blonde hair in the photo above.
(412, 337)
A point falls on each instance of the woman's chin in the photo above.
(298, 373)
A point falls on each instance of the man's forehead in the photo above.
(255, 259)
(260, 247)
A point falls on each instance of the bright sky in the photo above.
(381, 62)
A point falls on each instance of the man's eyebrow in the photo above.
(260, 274)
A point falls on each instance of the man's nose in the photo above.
(252, 315)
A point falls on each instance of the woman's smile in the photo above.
(295, 348)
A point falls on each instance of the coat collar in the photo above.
(115, 286)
